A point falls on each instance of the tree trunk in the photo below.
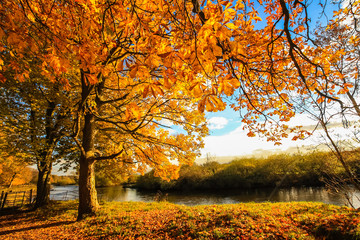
(88, 203)
(45, 160)
(43, 187)
(43, 182)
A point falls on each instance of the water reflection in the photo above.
(118, 193)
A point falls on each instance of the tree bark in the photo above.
(43, 186)
(88, 204)
(45, 159)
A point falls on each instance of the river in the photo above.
(120, 194)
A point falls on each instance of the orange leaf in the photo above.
(133, 71)
(167, 84)
(217, 51)
(201, 105)
(146, 91)
(250, 134)
(164, 55)
(91, 78)
(2, 78)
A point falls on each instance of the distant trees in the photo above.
(13, 162)
(63, 180)
(282, 170)
(14, 172)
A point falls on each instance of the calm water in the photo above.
(119, 194)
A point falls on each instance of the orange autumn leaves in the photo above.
(136, 220)
(146, 42)
(168, 60)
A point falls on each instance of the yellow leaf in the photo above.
(218, 102)
(157, 89)
(257, 18)
(201, 105)
(128, 114)
(231, 26)
(135, 110)
(239, 5)
(120, 66)
(228, 89)
(209, 105)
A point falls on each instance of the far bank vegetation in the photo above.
(283, 170)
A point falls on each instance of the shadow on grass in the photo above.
(13, 211)
(55, 224)
(9, 216)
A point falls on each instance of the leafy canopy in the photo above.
(144, 61)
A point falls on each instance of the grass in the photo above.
(138, 220)
(18, 188)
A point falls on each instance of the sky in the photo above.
(227, 138)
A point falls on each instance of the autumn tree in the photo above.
(13, 165)
(35, 113)
(144, 66)
(335, 60)
(124, 99)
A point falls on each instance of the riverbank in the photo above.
(139, 220)
(282, 170)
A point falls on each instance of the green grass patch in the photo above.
(139, 220)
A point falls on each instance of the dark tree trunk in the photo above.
(88, 203)
(43, 186)
(45, 158)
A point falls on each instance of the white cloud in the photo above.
(301, 120)
(237, 143)
(217, 122)
(166, 122)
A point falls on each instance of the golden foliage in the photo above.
(146, 61)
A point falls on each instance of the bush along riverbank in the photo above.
(285, 170)
(138, 220)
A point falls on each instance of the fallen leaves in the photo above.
(138, 220)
